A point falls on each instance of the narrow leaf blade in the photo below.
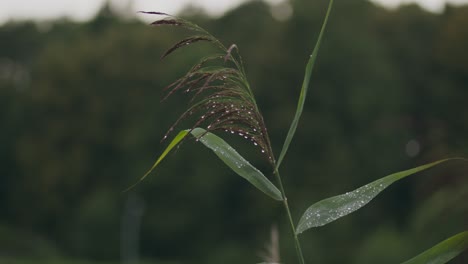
(442, 252)
(236, 162)
(304, 90)
(333, 208)
(174, 142)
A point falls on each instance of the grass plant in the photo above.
(223, 101)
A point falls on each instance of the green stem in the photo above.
(297, 244)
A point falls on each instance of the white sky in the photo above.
(85, 9)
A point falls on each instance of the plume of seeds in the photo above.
(221, 97)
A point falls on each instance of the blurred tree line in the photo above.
(81, 120)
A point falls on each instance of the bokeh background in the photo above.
(81, 120)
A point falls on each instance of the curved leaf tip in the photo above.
(442, 252)
(174, 142)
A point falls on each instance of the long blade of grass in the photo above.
(304, 90)
(333, 208)
(236, 162)
(174, 142)
(442, 252)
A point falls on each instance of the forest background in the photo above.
(81, 120)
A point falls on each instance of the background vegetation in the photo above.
(81, 120)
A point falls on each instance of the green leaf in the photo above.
(333, 208)
(305, 88)
(228, 155)
(236, 162)
(174, 142)
(442, 252)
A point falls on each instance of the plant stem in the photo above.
(297, 244)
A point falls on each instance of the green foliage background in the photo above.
(81, 120)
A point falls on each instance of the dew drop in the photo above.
(263, 151)
(255, 143)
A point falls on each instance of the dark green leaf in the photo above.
(236, 162)
(442, 252)
(305, 88)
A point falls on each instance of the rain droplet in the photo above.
(263, 151)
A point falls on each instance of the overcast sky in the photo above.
(85, 9)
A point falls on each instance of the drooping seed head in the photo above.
(221, 98)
